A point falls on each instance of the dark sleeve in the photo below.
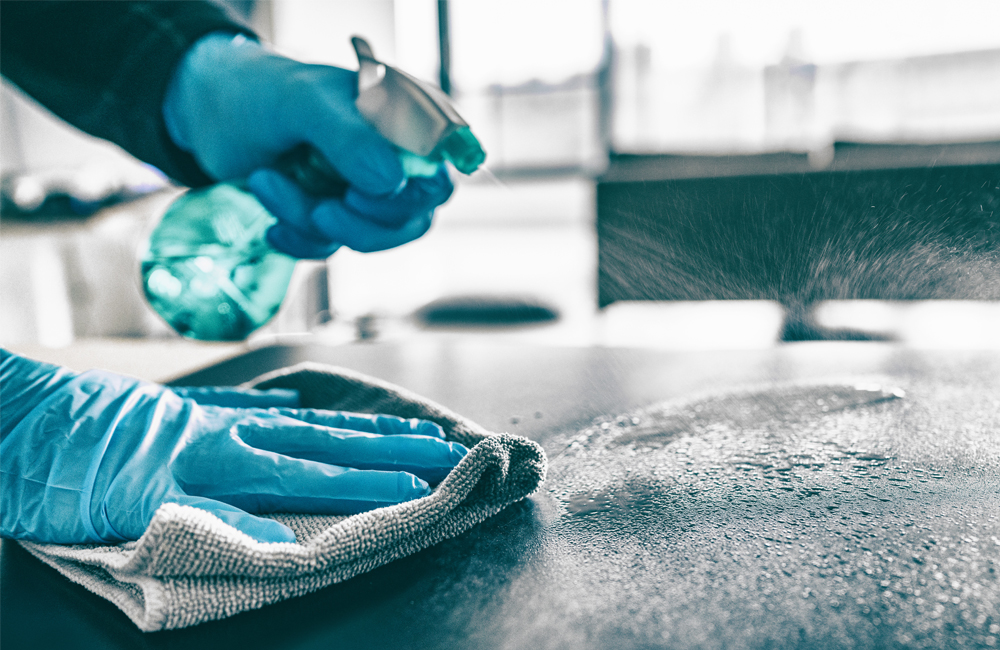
(104, 67)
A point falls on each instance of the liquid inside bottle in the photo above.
(208, 269)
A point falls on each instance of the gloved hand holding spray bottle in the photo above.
(218, 265)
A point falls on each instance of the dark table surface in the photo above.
(782, 498)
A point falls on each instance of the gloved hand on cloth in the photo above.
(89, 457)
(237, 107)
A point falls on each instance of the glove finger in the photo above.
(340, 224)
(283, 198)
(419, 195)
(290, 241)
(352, 145)
(240, 397)
(428, 458)
(386, 425)
(260, 481)
(326, 220)
(262, 530)
(294, 233)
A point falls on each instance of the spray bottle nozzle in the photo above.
(411, 114)
(462, 150)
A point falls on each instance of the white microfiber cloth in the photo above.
(190, 567)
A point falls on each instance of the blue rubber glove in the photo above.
(236, 107)
(88, 458)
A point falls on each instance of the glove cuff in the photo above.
(52, 459)
(26, 383)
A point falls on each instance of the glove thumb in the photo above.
(260, 528)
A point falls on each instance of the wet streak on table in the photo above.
(770, 502)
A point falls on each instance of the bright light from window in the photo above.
(832, 31)
(514, 41)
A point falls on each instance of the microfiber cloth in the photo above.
(189, 567)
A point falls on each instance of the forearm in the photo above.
(105, 66)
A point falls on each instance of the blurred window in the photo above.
(524, 72)
(727, 75)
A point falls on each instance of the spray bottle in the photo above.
(208, 269)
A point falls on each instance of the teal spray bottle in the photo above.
(208, 269)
